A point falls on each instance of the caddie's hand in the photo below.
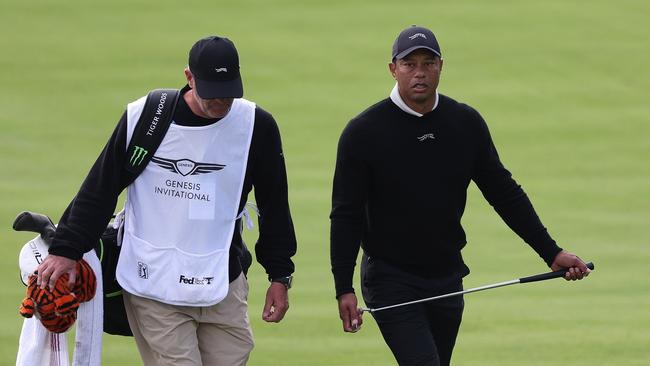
(576, 268)
(277, 303)
(350, 314)
(52, 268)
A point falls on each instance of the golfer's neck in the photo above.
(424, 107)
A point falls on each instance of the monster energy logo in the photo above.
(138, 155)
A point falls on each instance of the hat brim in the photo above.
(411, 49)
(219, 89)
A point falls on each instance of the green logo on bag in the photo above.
(138, 156)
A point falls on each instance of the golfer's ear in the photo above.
(391, 68)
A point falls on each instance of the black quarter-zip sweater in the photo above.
(400, 189)
(90, 211)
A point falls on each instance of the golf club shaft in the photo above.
(535, 278)
(476, 289)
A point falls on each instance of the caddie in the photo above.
(181, 259)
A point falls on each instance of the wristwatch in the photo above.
(286, 281)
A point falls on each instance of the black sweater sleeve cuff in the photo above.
(548, 251)
(343, 280)
(66, 251)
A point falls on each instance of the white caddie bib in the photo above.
(180, 212)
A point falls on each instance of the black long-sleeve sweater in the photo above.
(90, 211)
(400, 189)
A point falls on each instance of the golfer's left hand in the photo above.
(277, 303)
(576, 268)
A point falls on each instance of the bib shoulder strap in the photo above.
(151, 128)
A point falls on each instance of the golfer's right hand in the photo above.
(52, 268)
(576, 269)
(350, 314)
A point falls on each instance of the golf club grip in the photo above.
(547, 276)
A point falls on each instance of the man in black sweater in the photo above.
(183, 239)
(400, 187)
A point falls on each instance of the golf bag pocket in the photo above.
(108, 251)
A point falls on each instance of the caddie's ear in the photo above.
(189, 77)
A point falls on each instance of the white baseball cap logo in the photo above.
(221, 69)
(416, 35)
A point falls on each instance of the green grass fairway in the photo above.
(563, 85)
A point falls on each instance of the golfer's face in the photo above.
(417, 75)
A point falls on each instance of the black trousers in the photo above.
(418, 334)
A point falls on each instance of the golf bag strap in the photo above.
(151, 128)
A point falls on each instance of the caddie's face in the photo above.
(214, 108)
(210, 108)
(417, 75)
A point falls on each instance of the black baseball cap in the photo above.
(214, 62)
(413, 38)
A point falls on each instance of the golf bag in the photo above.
(107, 250)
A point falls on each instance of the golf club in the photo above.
(539, 277)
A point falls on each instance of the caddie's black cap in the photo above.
(214, 62)
(413, 38)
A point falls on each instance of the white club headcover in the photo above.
(31, 255)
